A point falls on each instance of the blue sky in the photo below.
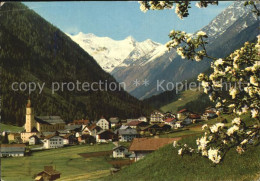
(118, 20)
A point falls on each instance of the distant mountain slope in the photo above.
(230, 29)
(34, 50)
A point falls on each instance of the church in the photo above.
(35, 125)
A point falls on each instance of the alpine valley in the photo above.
(128, 60)
(42, 53)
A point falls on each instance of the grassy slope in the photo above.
(186, 97)
(66, 160)
(165, 164)
(6, 127)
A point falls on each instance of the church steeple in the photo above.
(29, 104)
(30, 122)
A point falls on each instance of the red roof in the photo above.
(209, 111)
(133, 123)
(150, 144)
(85, 122)
(168, 120)
(194, 116)
(183, 110)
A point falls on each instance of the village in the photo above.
(132, 138)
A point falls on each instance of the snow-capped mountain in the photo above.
(128, 60)
(227, 18)
(111, 54)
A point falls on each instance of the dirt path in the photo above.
(86, 176)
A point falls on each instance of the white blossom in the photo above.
(204, 126)
(233, 129)
(253, 81)
(201, 33)
(180, 151)
(244, 141)
(236, 121)
(254, 113)
(219, 62)
(213, 155)
(233, 92)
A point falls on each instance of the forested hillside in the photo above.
(33, 50)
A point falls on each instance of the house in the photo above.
(178, 124)
(151, 128)
(49, 173)
(103, 123)
(120, 152)
(114, 121)
(125, 127)
(168, 115)
(182, 114)
(72, 128)
(126, 135)
(80, 122)
(135, 124)
(105, 136)
(156, 117)
(170, 121)
(35, 124)
(13, 136)
(195, 118)
(13, 150)
(209, 115)
(187, 121)
(165, 127)
(142, 118)
(143, 146)
(91, 130)
(34, 140)
(53, 141)
(69, 139)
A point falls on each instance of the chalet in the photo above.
(53, 141)
(182, 114)
(114, 121)
(187, 121)
(34, 140)
(105, 136)
(195, 118)
(178, 124)
(209, 114)
(170, 121)
(91, 130)
(165, 127)
(143, 146)
(120, 152)
(12, 150)
(135, 124)
(48, 174)
(168, 115)
(156, 117)
(103, 123)
(126, 135)
(69, 139)
(151, 128)
(142, 118)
